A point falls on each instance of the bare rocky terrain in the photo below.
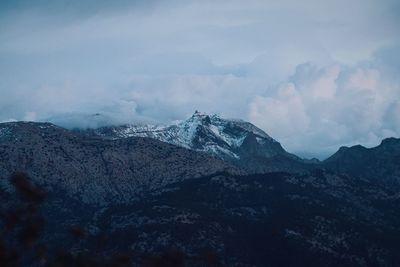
(167, 205)
(94, 169)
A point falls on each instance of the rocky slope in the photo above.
(275, 219)
(381, 163)
(148, 196)
(235, 141)
(94, 169)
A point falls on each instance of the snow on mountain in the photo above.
(98, 170)
(200, 132)
(228, 139)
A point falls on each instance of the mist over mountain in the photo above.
(292, 157)
(315, 76)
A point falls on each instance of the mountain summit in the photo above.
(232, 140)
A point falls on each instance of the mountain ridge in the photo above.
(381, 163)
(232, 140)
(149, 196)
(98, 169)
(243, 145)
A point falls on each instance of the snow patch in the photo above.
(217, 136)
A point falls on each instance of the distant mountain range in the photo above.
(229, 143)
(208, 183)
(250, 148)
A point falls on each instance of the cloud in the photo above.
(284, 113)
(323, 107)
(314, 75)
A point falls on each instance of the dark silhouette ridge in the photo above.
(380, 163)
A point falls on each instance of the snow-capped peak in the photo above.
(212, 134)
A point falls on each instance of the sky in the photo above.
(315, 75)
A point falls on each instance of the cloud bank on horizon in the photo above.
(315, 75)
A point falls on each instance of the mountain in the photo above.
(380, 163)
(235, 141)
(274, 219)
(148, 197)
(94, 169)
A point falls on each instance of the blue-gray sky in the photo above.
(313, 74)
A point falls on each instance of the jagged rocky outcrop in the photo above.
(380, 163)
(235, 141)
(94, 169)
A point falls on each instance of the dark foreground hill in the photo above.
(275, 219)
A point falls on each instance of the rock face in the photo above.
(381, 163)
(235, 141)
(97, 170)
